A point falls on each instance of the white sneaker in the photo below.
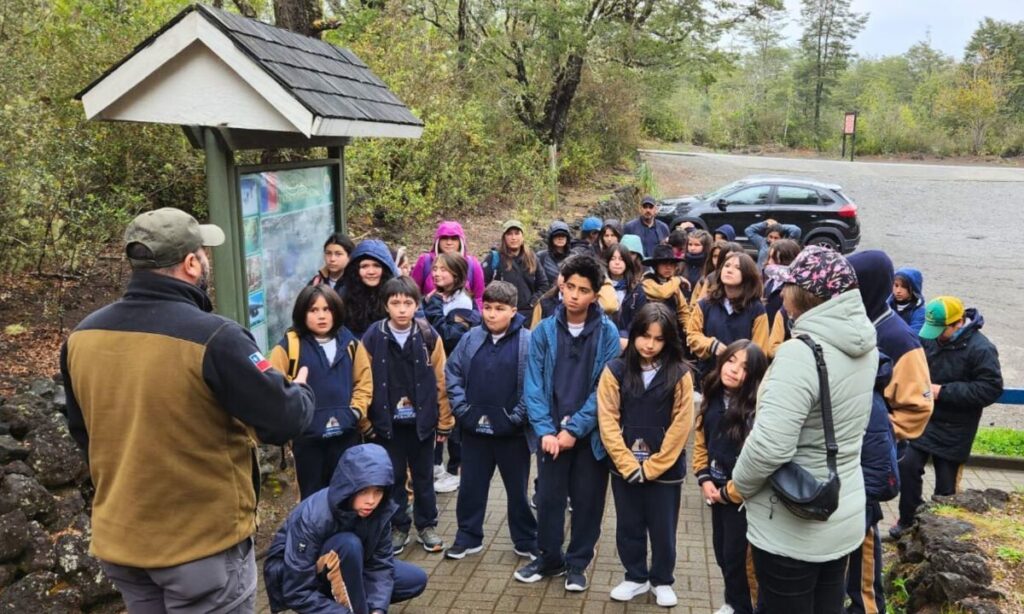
(666, 597)
(725, 609)
(438, 471)
(627, 590)
(446, 483)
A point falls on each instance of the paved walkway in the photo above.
(484, 583)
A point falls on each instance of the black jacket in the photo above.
(968, 370)
(530, 285)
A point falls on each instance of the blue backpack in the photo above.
(878, 457)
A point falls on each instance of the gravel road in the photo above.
(963, 226)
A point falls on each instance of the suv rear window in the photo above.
(790, 195)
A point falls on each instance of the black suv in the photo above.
(821, 210)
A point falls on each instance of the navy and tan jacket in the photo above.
(165, 398)
(909, 391)
(645, 436)
(651, 289)
(430, 397)
(711, 326)
(343, 387)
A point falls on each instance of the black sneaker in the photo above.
(897, 530)
(575, 581)
(535, 570)
(459, 552)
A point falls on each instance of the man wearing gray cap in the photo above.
(167, 400)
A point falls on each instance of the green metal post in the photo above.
(338, 173)
(229, 282)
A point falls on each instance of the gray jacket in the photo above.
(788, 427)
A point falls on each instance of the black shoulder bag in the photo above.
(802, 494)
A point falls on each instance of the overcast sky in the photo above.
(895, 25)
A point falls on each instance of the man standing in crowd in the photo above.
(650, 230)
(165, 399)
(966, 378)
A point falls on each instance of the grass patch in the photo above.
(999, 442)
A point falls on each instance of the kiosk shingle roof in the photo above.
(330, 81)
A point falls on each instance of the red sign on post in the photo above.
(850, 123)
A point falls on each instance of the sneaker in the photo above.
(459, 552)
(897, 530)
(533, 501)
(666, 597)
(399, 540)
(575, 581)
(725, 609)
(535, 570)
(438, 471)
(527, 554)
(431, 541)
(627, 590)
(446, 483)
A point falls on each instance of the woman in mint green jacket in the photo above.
(801, 564)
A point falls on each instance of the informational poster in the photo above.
(286, 215)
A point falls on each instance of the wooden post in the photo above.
(232, 301)
(338, 181)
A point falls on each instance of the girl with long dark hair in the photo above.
(644, 413)
(369, 269)
(725, 417)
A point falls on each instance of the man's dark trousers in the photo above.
(584, 479)
(511, 456)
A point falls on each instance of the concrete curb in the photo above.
(1010, 463)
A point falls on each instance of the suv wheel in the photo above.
(825, 241)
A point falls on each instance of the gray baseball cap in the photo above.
(170, 234)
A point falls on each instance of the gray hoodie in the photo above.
(788, 427)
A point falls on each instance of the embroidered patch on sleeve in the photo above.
(260, 361)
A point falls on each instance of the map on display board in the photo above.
(286, 215)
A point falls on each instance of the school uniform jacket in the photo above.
(430, 395)
(650, 289)
(346, 383)
(664, 409)
(539, 388)
(323, 277)
(712, 443)
(606, 298)
(711, 326)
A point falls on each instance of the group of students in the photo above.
(588, 355)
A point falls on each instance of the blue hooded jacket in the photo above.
(727, 230)
(913, 312)
(376, 249)
(290, 568)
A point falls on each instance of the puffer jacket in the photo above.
(290, 568)
(789, 428)
(968, 371)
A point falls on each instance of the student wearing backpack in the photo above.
(516, 263)
(449, 238)
(410, 410)
(339, 373)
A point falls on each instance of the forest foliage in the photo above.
(501, 85)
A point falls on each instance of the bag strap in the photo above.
(831, 449)
(293, 353)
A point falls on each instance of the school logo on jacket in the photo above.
(404, 411)
(332, 428)
(641, 451)
(484, 426)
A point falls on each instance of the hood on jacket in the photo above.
(450, 229)
(513, 327)
(360, 467)
(913, 277)
(973, 322)
(840, 322)
(696, 221)
(376, 249)
(874, 277)
(728, 231)
(558, 227)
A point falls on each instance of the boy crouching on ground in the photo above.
(334, 551)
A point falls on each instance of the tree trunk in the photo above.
(461, 33)
(299, 16)
(556, 109)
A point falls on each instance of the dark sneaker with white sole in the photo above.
(535, 571)
(459, 552)
(527, 554)
(575, 580)
(399, 540)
